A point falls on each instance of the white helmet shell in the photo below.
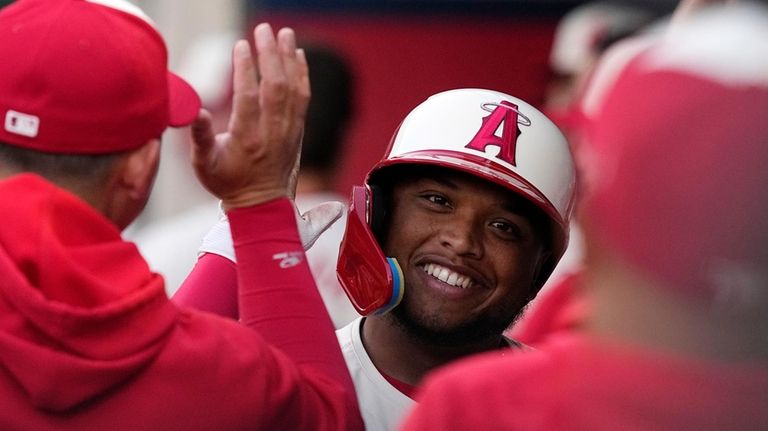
(497, 137)
(484, 133)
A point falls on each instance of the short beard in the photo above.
(475, 332)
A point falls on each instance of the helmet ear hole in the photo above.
(545, 266)
(377, 211)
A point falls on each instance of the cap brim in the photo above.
(183, 101)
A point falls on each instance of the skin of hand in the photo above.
(254, 160)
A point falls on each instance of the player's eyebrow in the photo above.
(443, 181)
(517, 204)
(438, 177)
(511, 202)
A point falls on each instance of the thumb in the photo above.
(202, 130)
(317, 220)
(211, 161)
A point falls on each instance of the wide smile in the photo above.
(448, 276)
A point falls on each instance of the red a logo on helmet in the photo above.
(506, 115)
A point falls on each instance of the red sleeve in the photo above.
(211, 286)
(561, 308)
(278, 296)
(439, 407)
(272, 287)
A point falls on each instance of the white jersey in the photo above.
(382, 406)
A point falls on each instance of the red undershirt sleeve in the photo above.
(211, 286)
(277, 293)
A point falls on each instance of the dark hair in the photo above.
(58, 167)
(330, 107)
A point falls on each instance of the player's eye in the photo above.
(436, 200)
(508, 230)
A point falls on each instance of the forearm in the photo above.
(211, 286)
(277, 293)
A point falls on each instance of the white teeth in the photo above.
(443, 274)
(447, 276)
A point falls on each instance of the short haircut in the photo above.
(88, 168)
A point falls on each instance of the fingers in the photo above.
(245, 73)
(303, 89)
(303, 79)
(245, 100)
(286, 42)
(297, 73)
(256, 158)
(273, 78)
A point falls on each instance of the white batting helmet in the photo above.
(485, 133)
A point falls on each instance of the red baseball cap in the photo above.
(679, 157)
(86, 77)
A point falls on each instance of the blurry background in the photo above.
(400, 51)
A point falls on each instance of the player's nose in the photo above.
(462, 235)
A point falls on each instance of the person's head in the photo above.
(472, 252)
(329, 111)
(582, 35)
(476, 188)
(678, 157)
(580, 38)
(85, 95)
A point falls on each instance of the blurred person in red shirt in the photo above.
(675, 224)
(581, 37)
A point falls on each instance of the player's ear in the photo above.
(138, 168)
(131, 182)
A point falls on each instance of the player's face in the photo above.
(469, 253)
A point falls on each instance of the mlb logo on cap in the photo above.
(21, 124)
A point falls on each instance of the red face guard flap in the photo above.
(373, 282)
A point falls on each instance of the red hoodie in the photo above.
(90, 341)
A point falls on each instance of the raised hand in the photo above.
(254, 160)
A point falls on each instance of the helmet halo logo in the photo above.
(506, 115)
